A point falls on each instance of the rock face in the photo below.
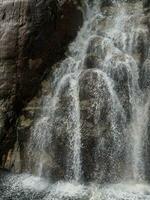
(93, 125)
(146, 4)
(33, 36)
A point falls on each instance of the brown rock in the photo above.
(33, 36)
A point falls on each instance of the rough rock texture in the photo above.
(96, 105)
(146, 75)
(33, 35)
(93, 126)
(146, 5)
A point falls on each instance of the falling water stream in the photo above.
(96, 117)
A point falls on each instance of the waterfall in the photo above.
(75, 141)
(90, 136)
(114, 49)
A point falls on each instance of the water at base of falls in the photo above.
(92, 131)
(27, 187)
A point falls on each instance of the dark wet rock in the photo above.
(106, 3)
(99, 46)
(119, 69)
(141, 46)
(97, 138)
(146, 5)
(33, 36)
(145, 75)
(4, 172)
(92, 126)
(89, 91)
(92, 61)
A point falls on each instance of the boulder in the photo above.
(100, 46)
(92, 61)
(98, 143)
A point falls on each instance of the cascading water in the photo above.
(93, 126)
